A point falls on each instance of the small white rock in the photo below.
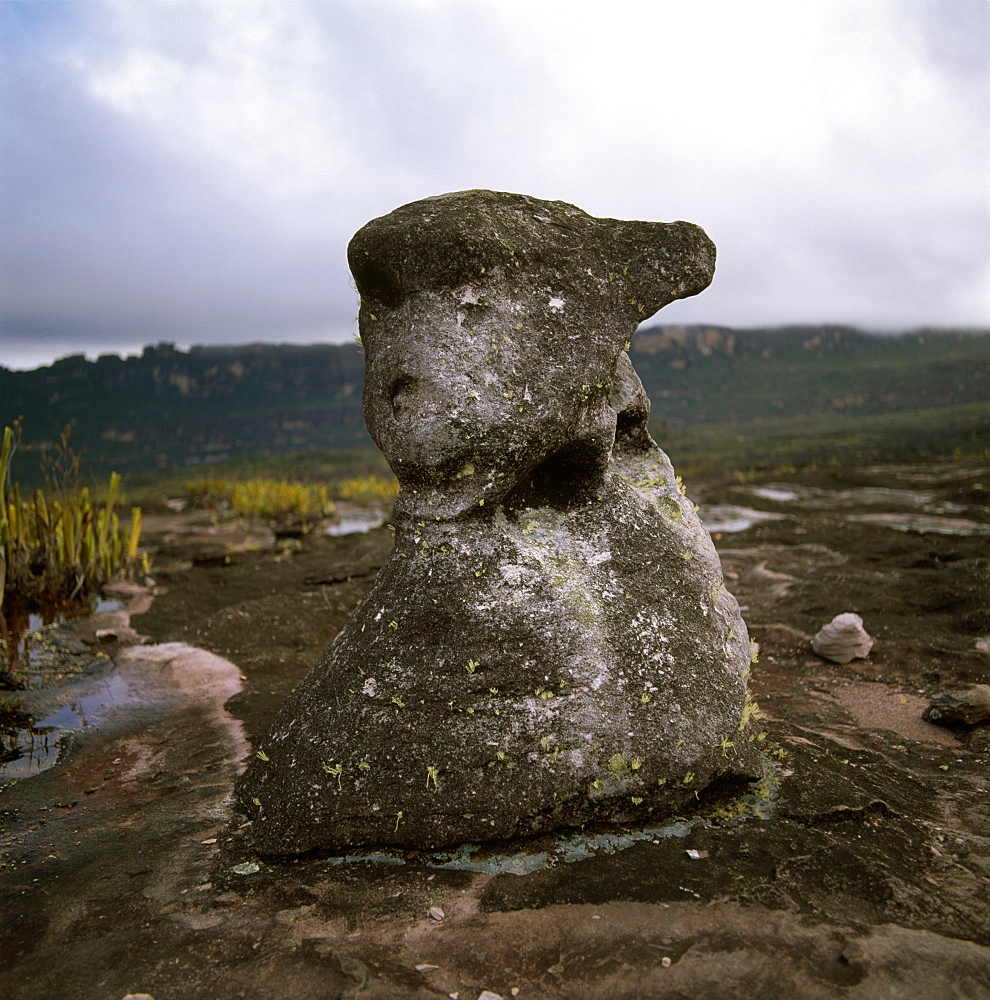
(435, 913)
(488, 995)
(843, 639)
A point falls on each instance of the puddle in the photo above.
(37, 748)
(564, 850)
(923, 524)
(920, 510)
(861, 496)
(924, 473)
(778, 493)
(31, 638)
(356, 524)
(729, 519)
(568, 848)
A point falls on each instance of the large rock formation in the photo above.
(550, 642)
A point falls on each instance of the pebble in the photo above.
(435, 913)
(843, 639)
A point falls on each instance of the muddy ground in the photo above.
(124, 870)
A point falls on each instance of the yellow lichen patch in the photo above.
(750, 711)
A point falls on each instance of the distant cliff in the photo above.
(705, 375)
(172, 408)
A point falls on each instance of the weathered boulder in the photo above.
(550, 642)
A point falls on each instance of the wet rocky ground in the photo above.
(859, 867)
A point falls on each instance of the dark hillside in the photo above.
(173, 408)
(711, 388)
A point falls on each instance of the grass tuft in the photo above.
(58, 544)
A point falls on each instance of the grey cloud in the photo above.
(106, 234)
(116, 233)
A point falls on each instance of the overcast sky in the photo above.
(192, 170)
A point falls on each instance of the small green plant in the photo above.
(60, 545)
(270, 499)
(750, 711)
(366, 489)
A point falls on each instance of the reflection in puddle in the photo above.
(778, 493)
(729, 519)
(356, 524)
(26, 633)
(919, 510)
(37, 748)
(860, 496)
(923, 524)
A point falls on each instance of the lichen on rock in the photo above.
(553, 607)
